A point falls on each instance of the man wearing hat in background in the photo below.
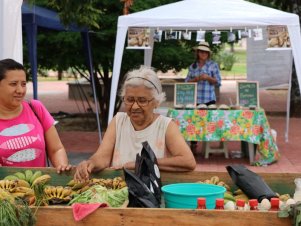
(206, 73)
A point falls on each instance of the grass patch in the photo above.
(239, 69)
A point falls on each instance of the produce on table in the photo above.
(16, 189)
(284, 197)
(5, 195)
(31, 187)
(58, 194)
(14, 211)
(265, 204)
(27, 185)
(100, 194)
(79, 187)
(231, 197)
(230, 205)
(29, 177)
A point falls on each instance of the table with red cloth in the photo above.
(251, 126)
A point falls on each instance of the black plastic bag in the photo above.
(139, 194)
(146, 168)
(250, 183)
(145, 184)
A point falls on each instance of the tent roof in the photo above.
(196, 14)
(207, 15)
(44, 18)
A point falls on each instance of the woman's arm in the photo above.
(181, 158)
(216, 78)
(55, 150)
(189, 77)
(102, 158)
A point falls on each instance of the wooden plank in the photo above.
(135, 216)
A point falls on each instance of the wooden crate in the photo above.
(62, 215)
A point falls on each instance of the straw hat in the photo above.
(204, 46)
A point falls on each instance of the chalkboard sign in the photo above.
(247, 94)
(185, 94)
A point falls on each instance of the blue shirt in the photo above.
(205, 90)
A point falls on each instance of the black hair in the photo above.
(195, 65)
(9, 65)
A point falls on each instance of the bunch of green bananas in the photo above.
(29, 178)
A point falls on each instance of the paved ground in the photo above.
(81, 144)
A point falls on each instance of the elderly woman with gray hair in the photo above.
(141, 94)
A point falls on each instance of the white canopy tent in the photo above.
(206, 15)
(11, 30)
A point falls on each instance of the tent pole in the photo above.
(288, 102)
(119, 46)
(31, 35)
(148, 53)
(87, 44)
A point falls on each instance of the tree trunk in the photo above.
(232, 47)
(59, 75)
(295, 107)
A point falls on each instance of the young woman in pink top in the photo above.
(26, 132)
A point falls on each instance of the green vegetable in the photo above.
(98, 193)
(15, 214)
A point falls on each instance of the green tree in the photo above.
(293, 6)
(66, 47)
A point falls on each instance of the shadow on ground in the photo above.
(75, 122)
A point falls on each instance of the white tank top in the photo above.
(129, 141)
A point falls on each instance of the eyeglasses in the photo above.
(141, 101)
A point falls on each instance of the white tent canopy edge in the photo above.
(206, 15)
(11, 30)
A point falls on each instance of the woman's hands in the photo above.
(203, 77)
(62, 168)
(83, 170)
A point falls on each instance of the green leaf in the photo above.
(283, 214)
(298, 220)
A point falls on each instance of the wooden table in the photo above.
(62, 215)
(251, 126)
